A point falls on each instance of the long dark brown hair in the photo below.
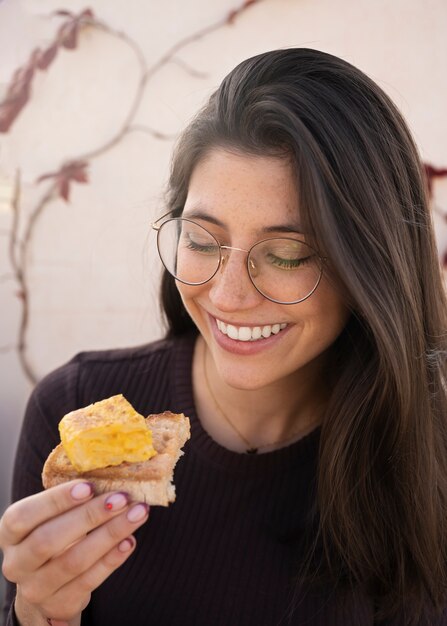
(382, 480)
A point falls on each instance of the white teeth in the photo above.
(249, 333)
(244, 333)
(266, 331)
(256, 333)
(232, 332)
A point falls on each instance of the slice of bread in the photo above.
(146, 481)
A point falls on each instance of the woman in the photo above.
(307, 343)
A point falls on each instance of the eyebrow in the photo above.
(277, 228)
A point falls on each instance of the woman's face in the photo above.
(242, 199)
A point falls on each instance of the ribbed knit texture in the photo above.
(226, 552)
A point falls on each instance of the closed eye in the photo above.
(287, 264)
(208, 248)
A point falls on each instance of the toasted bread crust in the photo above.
(148, 481)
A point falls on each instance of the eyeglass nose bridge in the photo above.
(233, 248)
(223, 258)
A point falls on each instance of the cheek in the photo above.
(188, 295)
(328, 314)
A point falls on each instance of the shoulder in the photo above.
(131, 360)
(141, 373)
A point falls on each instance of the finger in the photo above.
(96, 575)
(56, 535)
(73, 597)
(85, 554)
(22, 517)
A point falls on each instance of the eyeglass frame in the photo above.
(157, 227)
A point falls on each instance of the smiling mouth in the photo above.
(249, 333)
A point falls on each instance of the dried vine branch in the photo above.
(74, 169)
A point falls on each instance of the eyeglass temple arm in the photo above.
(156, 225)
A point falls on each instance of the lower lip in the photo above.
(245, 348)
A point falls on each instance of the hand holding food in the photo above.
(61, 544)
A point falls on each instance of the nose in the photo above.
(231, 288)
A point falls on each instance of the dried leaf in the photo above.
(47, 56)
(63, 13)
(80, 176)
(64, 188)
(19, 90)
(71, 172)
(9, 112)
(17, 96)
(87, 13)
(22, 77)
(432, 172)
(68, 35)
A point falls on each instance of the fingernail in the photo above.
(126, 545)
(81, 491)
(116, 501)
(138, 512)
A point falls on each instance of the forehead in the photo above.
(244, 190)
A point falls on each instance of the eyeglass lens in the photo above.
(282, 269)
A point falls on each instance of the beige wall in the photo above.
(92, 268)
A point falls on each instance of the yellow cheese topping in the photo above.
(105, 433)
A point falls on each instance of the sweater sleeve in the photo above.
(54, 396)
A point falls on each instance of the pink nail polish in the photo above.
(116, 501)
(126, 545)
(81, 491)
(138, 512)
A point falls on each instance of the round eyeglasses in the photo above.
(282, 269)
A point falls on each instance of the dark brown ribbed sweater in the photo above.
(226, 552)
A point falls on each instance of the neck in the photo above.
(265, 418)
